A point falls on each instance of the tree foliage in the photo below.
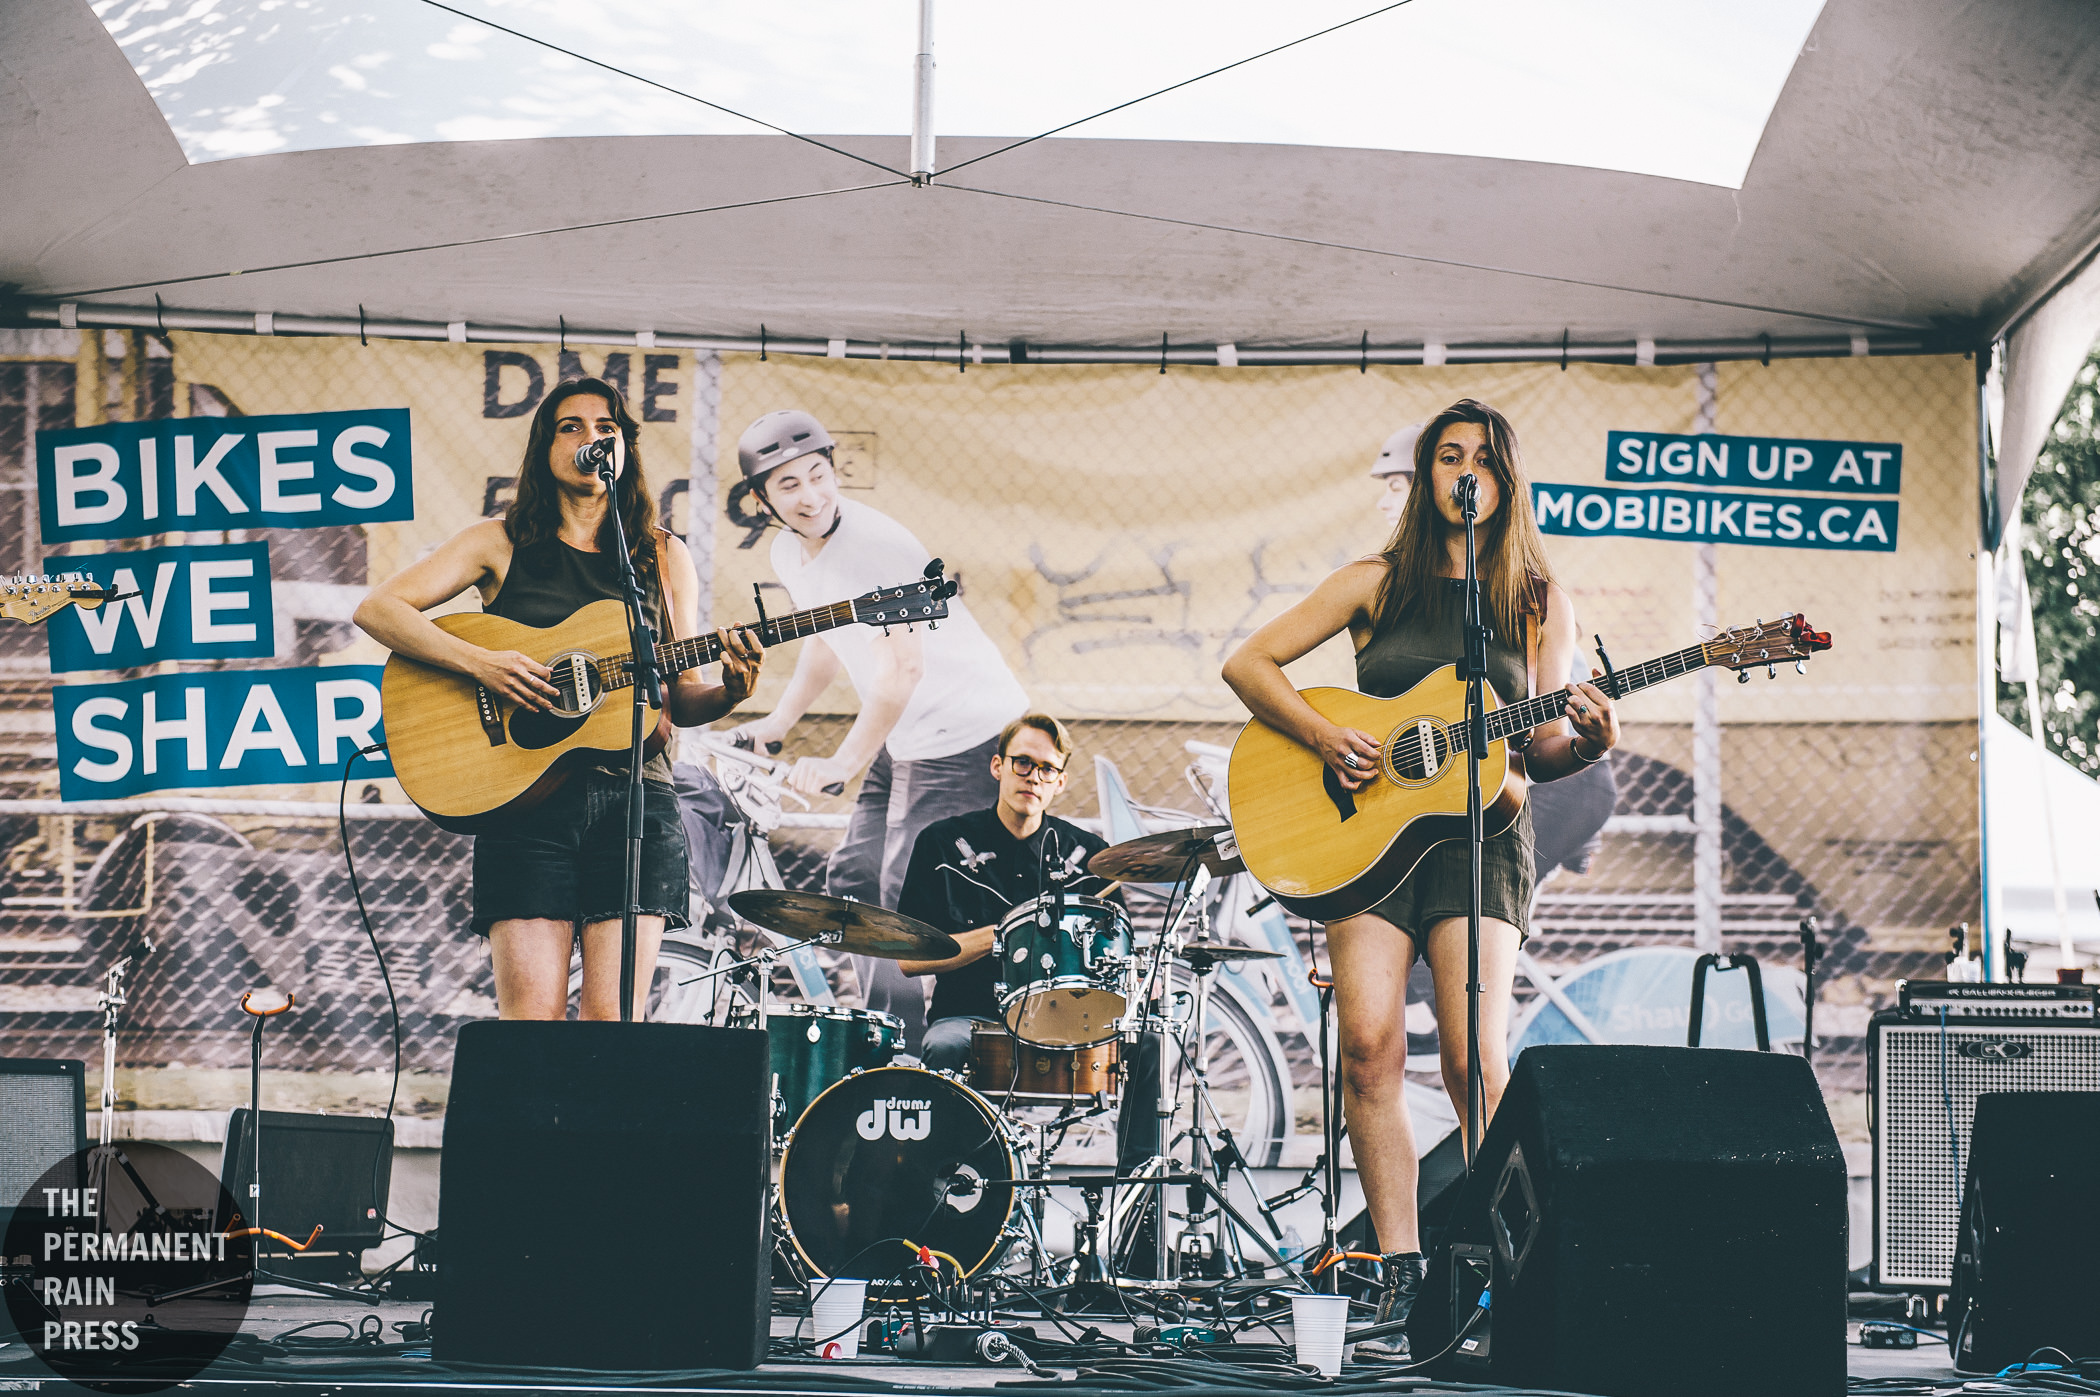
(2061, 511)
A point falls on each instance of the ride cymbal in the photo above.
(858, 927)
(1166, 856)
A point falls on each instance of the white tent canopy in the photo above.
(2017, 838)
(1928, 170)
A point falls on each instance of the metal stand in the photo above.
(1473, 669)
(648, 695)
(1710, 961)
(1811, 952)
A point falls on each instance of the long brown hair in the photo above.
(1511, 552)
(534, 515)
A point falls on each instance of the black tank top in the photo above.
(1430, 637)
(550, 581)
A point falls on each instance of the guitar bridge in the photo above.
(491, 720)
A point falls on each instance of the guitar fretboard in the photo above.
(1535, 712)
(677, 656)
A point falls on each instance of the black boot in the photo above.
(1403, 1283)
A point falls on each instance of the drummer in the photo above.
(969, 870)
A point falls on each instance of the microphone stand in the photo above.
(1473, 669)
(648, 694)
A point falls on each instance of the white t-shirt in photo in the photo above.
(966, 694)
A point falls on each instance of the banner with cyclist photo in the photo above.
(1115, 533)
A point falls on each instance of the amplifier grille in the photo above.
(41, 1113)
(1917, 1185)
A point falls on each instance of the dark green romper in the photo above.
(1394, 662)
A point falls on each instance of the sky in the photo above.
(1676, 88)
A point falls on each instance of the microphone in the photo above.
(596, 458)
(1465, 490)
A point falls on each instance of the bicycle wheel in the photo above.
(1246, 1073)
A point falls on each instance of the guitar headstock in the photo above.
(1766, 643)
(925, 599)
(33, 597)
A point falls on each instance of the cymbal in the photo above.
(862, 928)
(1222, 952)
(1165, 856)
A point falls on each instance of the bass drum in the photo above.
(896, 1152)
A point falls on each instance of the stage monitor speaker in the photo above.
(332, 1170)
(1923, 1082)
(2023, 1272)
(602, 1196)
(43, 1119)
(1653, 1221)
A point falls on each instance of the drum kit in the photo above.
(873, 1152)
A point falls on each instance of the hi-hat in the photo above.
(1204, 954)
(859, 927)
(1166, 856)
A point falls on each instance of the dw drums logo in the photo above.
(897, 1118)
(1995, 1049)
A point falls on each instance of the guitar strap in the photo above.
(1534, 627)
(663, 590)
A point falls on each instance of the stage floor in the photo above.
(273, 1313)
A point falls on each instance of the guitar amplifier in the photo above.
(1923, 1077)
(1928, 999)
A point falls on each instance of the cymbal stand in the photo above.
(1214, 1162)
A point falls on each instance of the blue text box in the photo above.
(249, 727)
(210, 601)
(1771, 521)
(1758, 463)
(297, 471)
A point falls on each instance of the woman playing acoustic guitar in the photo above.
(1403, 611)
(562, 865)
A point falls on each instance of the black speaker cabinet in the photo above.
(1653, 1221)
(334, 1171)
(602, 1197)
(2023, 1269)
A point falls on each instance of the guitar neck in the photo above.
(1545, 708)
(677, 656)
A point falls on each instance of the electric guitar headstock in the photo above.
(33, 597)
(1766, 643)
(923, 600)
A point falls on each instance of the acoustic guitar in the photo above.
(471, 760)
(1326, 852)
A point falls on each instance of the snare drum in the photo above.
(1061, 1073)
(897, 1152)
(1061, 986)
(815, 1045)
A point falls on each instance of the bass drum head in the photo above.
(896, 1152)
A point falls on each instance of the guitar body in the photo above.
(1327, 853)
(467, 774)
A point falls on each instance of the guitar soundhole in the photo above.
(1418, 750)
(533, 731)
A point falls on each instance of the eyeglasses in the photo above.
(1029, 769)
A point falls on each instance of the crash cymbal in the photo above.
(859, 927)
(1222, 952)
(1166, 856)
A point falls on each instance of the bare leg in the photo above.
(1371, 958)
(1498, 969)
(601, 967)
(530, 956)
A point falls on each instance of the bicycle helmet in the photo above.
(778, 438)
(1397, 456)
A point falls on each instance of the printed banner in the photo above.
(1776, 463)
(1733, 517)
(208, 602)
(294, 471)
(256, 727)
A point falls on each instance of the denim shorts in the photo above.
(566, 860)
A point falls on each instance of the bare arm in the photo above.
(976, 944)
(899, 663)
(692, 702)
(392, 614)
(1591, 719)
(1342, 602)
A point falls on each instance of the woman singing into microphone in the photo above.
(560, 870)
(1403, 610)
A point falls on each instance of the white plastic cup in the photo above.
(1318, 1324)
(835, 1309)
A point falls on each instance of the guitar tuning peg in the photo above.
(1742, 676)
(1801, 666)
(933, 625)
(1771, 670)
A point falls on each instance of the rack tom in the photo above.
(1061, 973)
